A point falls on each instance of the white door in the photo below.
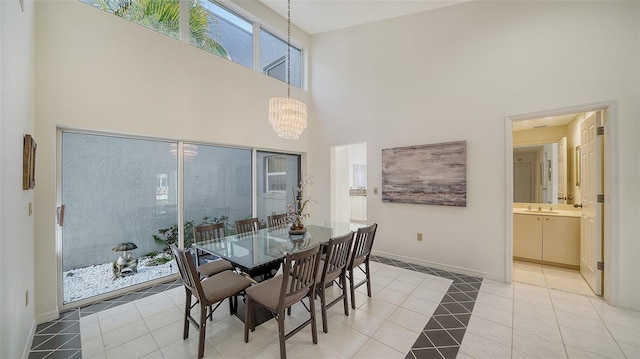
(562, 171)
(591, 186)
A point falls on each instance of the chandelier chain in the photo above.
(289, 48)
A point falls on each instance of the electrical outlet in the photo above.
(375, 190)
(30, 209)
(26, 298)
(419, 236)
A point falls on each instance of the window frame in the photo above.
(257, 23)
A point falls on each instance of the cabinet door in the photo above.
(527, 236)
(561, 240)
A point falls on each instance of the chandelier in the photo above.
(288, 116)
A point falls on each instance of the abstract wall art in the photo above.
(434, 174)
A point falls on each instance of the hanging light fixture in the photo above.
(288, 116)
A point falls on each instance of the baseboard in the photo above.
(32, 332)
(450, 268)
(47, 317)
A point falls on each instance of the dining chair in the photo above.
(297, 281)
(334, 267)
(276, 220)
(205, 267)
(210, 291)
(244, 226)
(359, 255)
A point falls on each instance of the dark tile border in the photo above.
(440, 338)
(443, 333)
(60, 339)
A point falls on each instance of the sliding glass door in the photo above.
(217, 187)
(117, 194)
(121, 203)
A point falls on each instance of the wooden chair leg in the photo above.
(345, 300)
(203, 328)
(248, 318)
(323, 308)
(312, 309)
(352, 289)
(187, 313)
(282, 335)
(366, 266)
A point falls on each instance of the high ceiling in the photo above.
(316, 16)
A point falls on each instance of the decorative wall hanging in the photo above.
(426, 174)
(29, 163)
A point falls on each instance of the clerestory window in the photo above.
(213, 28)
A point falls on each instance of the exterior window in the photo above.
(222, 32)
(215, 29)
(273, 57)
(276, 174)
(160, 15)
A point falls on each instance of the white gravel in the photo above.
(82, 283)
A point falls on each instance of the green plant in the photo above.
(295, 210)
(158, 259)
(164, 16)
(170, 235)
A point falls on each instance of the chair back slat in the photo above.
(208, 232)
(337, 255)
(276, 220)
(188, 272)
(302, 267)
(247, 226)
(362, 244)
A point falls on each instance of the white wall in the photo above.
(97, 71)
(16, 226)
(454, 74)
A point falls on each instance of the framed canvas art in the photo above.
(29, 163)
(433, 174)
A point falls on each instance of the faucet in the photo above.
(550, 209)
(539, 208)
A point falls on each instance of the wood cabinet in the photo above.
(527, 236)
(553, 239)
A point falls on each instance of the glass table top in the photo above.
(251, 250)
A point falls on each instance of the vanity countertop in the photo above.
(547, 212)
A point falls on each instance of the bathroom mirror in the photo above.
(540, 173)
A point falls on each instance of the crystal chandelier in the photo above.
(288, 116)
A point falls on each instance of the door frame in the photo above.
(611, 167)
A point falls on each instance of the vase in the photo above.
(297, 231)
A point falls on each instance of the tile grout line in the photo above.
(458, 286)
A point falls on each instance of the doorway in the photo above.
(349, 184)
(562, 127)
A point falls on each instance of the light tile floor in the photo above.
(548, 312)
(518, 320)
(384, 326)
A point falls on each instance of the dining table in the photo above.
(259, 254)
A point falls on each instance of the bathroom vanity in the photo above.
(547, 236)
